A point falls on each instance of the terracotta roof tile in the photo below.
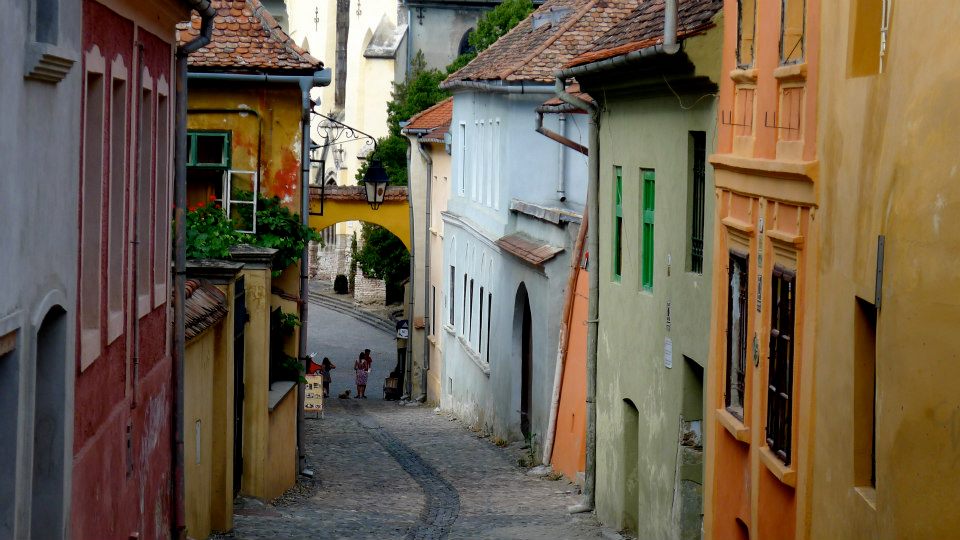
(644, 27)
(531, 54)
(204, 307)
(528, 249)
(555, 104)
(434, 117)
(246, 38)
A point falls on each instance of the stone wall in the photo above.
(369, 291)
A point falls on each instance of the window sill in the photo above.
(786, 238)
(791, 72)
(474, 355)
(737, 224)
(736, 428)
(801, 170)
(47, 63)
(278, 391)
(784, 473)
(868, 495)
(744, 76)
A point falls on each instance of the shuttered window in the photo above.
(646, 251)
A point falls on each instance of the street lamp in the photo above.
(375, 181)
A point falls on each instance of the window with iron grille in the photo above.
(698, 151)
(737, 284)
(780, 370)
(617, 223)
(646, 251)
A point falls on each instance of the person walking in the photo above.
(325, 367)
(362, 369)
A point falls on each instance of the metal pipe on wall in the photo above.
(207, 12)
(593, 244)
(425, 366)
(561, 160)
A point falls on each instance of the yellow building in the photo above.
(886, 451)
(248, 123)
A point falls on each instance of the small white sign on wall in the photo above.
(668, 352)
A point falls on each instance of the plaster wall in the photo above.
(277, 130)
(484, 387)
(635, 134)
(436, 30)
(39, 197)
(439, 191)
(197, 437)
(889, 167)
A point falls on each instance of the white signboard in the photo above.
(668, 352)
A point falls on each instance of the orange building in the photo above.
(759, 401)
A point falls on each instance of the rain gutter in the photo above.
(206, 12)
(499, 87)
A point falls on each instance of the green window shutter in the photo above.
(618, 224)
(649, 190)
(209, 149)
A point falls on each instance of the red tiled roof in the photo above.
(644, 27)
(246, 38)
(204, 307)
(528, 249)
(436, 135)
(434, 117)
(531, 54)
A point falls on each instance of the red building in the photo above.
(125, 387)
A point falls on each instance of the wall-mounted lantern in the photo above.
(375, 181)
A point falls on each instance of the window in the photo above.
(869, 29)
(50, 426)
(865, 394)
(746, 28)
(161, 231)
(463, 311)
(47, 21)
(496, 164)
(117, 206)
(453, 290)
(646, 251)
(617, 222)
(433, 310)
(142, 217)
(91, 230)
(489, 305)
(462, 159)
(792, 29)
(737, 285)
(698, 155)
(480, 326)
(470, 328)
(209, 176)
(780, 370)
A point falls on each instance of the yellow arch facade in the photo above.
(349, 203)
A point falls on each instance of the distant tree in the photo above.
(383, 256)
(491, 27)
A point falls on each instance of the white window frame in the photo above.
(115, 313)
(228, 202)
(143, 183)
(90, 327)
(163, 202)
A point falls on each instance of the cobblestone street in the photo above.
(389, 471)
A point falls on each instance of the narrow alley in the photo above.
(384, 470)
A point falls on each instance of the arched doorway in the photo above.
(523, 344)
(631, 457)
(47, 518)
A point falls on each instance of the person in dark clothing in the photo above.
(325, 368)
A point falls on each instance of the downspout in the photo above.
(593, 244)
(413, 288)
(670, 45)
(206, 12)
(426, 268)
(554, 136)
(561, 161)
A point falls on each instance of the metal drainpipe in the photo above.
(561, 160)
(593, 244)
(306, 83)
(670, 45)
(207, 12)
(426, 268)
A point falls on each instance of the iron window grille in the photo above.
(780, 372)
(737, 286)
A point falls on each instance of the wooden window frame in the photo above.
(649, 185)
(739, 53)
(784, 60)
(738, 342)
(780, 369)
(617, 262)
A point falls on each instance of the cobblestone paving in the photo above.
(397, 472)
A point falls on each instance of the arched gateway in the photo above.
(334, 204)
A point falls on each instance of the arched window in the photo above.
(465, 46)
